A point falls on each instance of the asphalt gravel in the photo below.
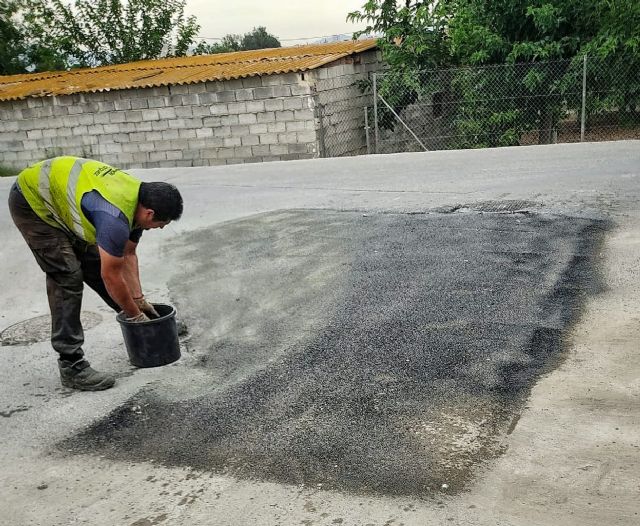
(365, 352)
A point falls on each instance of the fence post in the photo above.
(583, 117)
(366, 129)
(321, 144)
(375, 112)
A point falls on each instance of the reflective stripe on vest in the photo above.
(54, 190)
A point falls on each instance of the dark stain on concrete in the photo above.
(11, 412)
(385, 354)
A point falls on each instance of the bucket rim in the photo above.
(120, 317)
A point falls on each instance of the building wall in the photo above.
(249, 120)
(341, 104)
(261, 118)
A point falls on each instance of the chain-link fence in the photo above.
(342, 115)
(584, 99)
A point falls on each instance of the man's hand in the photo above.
(146, 307)
(139, 318)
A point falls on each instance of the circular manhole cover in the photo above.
(38, 329)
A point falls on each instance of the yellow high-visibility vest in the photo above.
(54, 190)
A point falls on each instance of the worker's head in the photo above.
(158, 205)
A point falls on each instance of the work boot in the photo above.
(80, 375)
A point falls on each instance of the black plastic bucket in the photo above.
(152, 343)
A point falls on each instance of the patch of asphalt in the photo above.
(368, 353)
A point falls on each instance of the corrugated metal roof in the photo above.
(180, 70)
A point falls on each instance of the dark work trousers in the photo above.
(68, 261)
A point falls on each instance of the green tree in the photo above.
(258, 38)
(436, 33)
(101, 32)
(12, 45)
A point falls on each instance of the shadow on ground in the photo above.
(380, 353)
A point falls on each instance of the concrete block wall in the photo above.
(261, 118)
(341, 103)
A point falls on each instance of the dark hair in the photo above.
(163, 198)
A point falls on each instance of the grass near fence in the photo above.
(7, 172)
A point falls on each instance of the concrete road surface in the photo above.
(437, 338)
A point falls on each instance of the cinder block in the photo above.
(303, 115)
(145, 126)
(237, 108)
(269, 138)
(169, 134)
(294, 126)
(35, 102)
(252, 82)
(199, 111)
(225, 96)
(157, 156)
(133, 116)
(255, 106)
(34, 134)
(284, 116)
(167, 113)
(232, 141)
(276, 127)
(306, 136)
(184, 111)
(207, 98)
(174, 154)
(250, 140)
(146, 147)
(287, 138)
(187, 134)
(219, 109)
(204, 132)
(160, 90)
(214, 86)
(293, 103)
(129, 127)
(131, 147)
(247, 118)
(211, 122)
(156, 102)
(222, 131)
(300, 89)
(263, 93)
(282, 91)
(178, 89)
(239, 130)
(106, 106)
(137, 137)
(178, 124)
(279, 79)
(190, 99)
(197, 87)
(258, 128)
(139, 104)
(233, 84)
(85, 119)
(274, 104)
(278, 149)
(225, 153)
(150, 115)
(153, 136)
(244, 94)
(267, 116)
(99, 118)
(242, 152)
(80, 130)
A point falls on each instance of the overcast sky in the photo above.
(286, 19)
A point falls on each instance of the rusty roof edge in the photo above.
(359, 47)
(330, 57)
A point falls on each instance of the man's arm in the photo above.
(114, 275)
(131, 272)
